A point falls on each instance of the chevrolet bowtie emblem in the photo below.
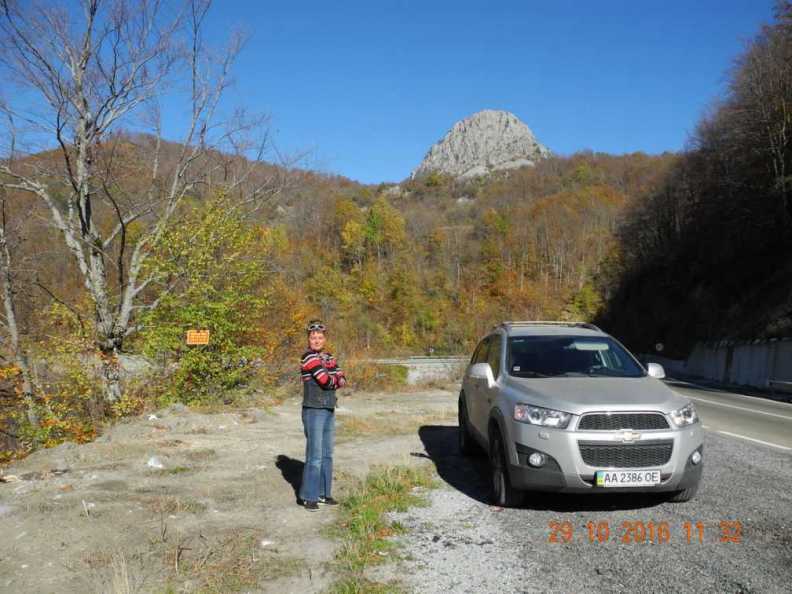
(628, 436)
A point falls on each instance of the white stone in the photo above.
(155, 462)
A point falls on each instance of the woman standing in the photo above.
(321, 377)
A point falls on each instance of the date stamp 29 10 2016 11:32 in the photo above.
(639, 532)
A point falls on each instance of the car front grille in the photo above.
(616, 421)
(633, 455)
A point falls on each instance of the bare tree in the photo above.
(88, 73)
(762, 101)
(9, 318)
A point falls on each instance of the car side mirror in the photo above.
(655, 370)
(482, 371)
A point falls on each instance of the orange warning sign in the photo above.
(196, 337)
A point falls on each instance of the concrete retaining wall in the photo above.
(673, 367)
(426, 369)
(762, 364)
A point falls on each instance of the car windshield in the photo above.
(570, 356)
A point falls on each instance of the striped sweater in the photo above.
(321, 376)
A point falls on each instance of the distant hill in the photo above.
(487, 141)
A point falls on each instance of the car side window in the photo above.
(494, 355)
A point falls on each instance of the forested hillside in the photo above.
(433, 263)
(708, 255)
(115, 241)
(426, 266)
(430, 263)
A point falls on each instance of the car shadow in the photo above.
(292, 471)
(467, 474)
(470, 475)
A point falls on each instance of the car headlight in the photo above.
(684, 416)
(545, 417)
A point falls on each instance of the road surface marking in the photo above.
(711, 390)
(767, 443)
(758, 412)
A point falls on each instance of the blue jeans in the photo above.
(319, 428)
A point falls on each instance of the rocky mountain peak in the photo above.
(487, 141)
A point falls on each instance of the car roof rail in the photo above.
(513, 323)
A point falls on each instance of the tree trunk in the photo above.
(20, 356)
(111, 368)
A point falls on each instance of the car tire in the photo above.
(684, 494)
(467, 445)
(503, 494)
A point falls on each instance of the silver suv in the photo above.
(565, 407)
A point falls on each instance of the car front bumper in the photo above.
(566, 472)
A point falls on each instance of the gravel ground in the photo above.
(460, 543)
(186, 501)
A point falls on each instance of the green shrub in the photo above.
(215, 266)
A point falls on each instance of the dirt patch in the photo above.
(219, 515)
(357, 427)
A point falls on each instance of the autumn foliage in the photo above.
(672, 248)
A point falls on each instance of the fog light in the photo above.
(536, 459)
(696, 457)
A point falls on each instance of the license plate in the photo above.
(627, 478)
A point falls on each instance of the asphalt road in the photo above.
(749, 418)
(735, 536)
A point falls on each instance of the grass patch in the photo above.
(229, 562)
(172, 471)
(364, 530)
(359, 585)
(169, 504)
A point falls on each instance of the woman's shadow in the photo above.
(292, 471)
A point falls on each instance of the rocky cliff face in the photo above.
(484, 142)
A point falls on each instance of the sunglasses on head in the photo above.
(316, 327)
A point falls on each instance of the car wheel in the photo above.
(503, 494)
(684, 495)
(467, 446)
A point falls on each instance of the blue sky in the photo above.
(368, 86)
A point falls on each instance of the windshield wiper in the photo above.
(604, 371)
(529, 374)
